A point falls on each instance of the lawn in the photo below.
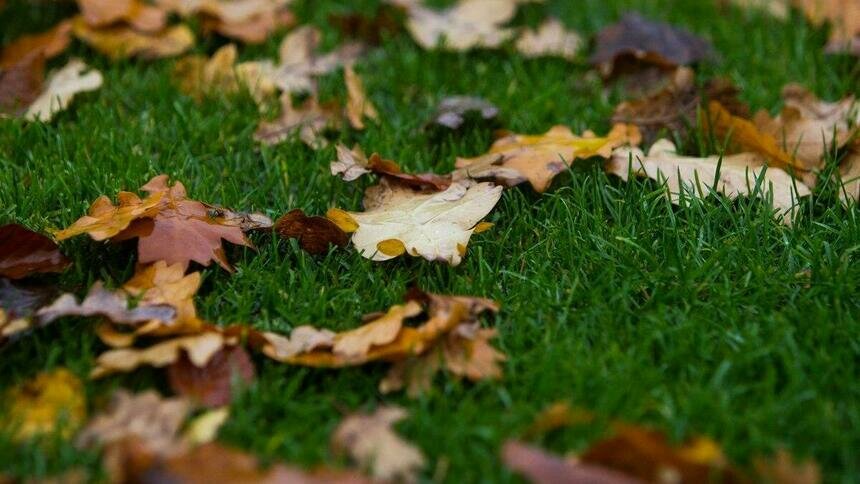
(707, 320)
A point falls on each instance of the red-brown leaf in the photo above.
(315, 234)
(24, 252)
(212, 384)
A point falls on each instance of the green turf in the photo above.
(712, 319)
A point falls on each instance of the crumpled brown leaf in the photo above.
(351, 164)
(249, 21)
(212, 384)
(516, 158)
(358, 106)
(199, 76)
(109, 304)
(24, 252)
(635, 41)
(372, 442)
(315, 234)
(398, 220)
(310, 121)
(540, 467)
(122, 41)
(550, 39)
(53, 401)
(695, 177)
(48, 44)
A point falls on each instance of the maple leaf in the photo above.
(358, 106)
(48, 44)
(199, 76)
(451, 112)
(315, 234)
(351, 164)
(137, 14)
(637, 40)
(550, 39)
(61, 87)
(372, 442)
(24, 252)
(540, 467)
(122, 42)
(50, 402)
(250, 21)
(436, 226)
(689, 177)
(212, 384)
(516, 158)
(310, 121)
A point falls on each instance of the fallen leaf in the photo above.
(466, 25)
(249, 21)
(21, 84)
(844, 19)
(849, 171)
(199, 348)
(540, 467)
(105, 220)
(18, 304)
(358, 106)
(212, 384)
(303, 339)
(436, 226)
(137, 14)
(300, 62)
(636, 40)
(697, 177)
(551, 39)
(199, 76)
(204, 429)
(24, 252)
(351, 164)
(310, 121)
(381, 331)
(48, 44)
(315, 234)
(372, 442)
(247, 221)
(109, 304)
(370, 29)
(165, 284)
(517, 158)
(52, 402)
(61, 87)
(782, 468)
(122, 42)
(452, 111)
(152, 420)
(809, 128)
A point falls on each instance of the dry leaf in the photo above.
(122, 42)
(24, 252)
(351, 164)
(695, 177)
(111, 305)
(50, 402)
(372, 442)
(849, 171)
(781, 468)
(18, 304)
(199, 76)
(164, 284)
(844, 18)
(249, 21)
(300, 63)
(381, 331)
(436, 226)
(21, 84)
(315, 234)
(212, 384)
(48, 44)
(452, 111)
(517, 158)
(136, 13)
(199, 348)
(358, 106)
(310, 121)
(636, 40)
(540, 467)
(303, 339)
(551, 39)
(152, 420)
(61, 87)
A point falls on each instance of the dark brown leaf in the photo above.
(212, 384)
(452, 111)
(315, 234)
(540, 467)
(370, 29)
(24, 252)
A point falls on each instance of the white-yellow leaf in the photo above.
(62, 86)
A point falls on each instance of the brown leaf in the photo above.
(24, 252)
(212, 384)
(21, 84)
(782, 468)
(551, 39)
(249, 21)
(199, 348)
(371, 441)
(247, 221)
(18, 303)
(636, 40)
(50, 402)
(310, 121)
(111, 305)
(844, 19)
(381, 331)
(315, 234)
(303, 339)
(849, 172)
(452, 111)
(517, 158)
(104, 220)
(122, 42)
(48, 44)
(137, 14)
(358, 106)
(351, 164)
(300, 62)
(199, 76)
(370, 29)
(540, 467)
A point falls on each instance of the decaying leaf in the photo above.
(517, 158)
(199, 348)
(212, 384)
(372, 442)
(169, 227)
(351, 164)
(199, 76)
(808, 127)
(24, 252)
(136, 13)
(782, 468)
(309, 121)
(452, 111)
(147, 417)
(844, 19)
(121, 42)
(51, 402)
(466, 25)
(539, 467)
(315, 234)
(636, 40)
(18, 305)
(113, 305)
(742, 174)
(21, 84)
(48, 44)
(300, 62)
(61, 87)
(551, 39)
(436, 226)
(249, 21)
(358, 106)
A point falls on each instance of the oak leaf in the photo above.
(358, 106)
(452, 112)
(309, 121)
(299, 61)
(436, 226)
(378, 332)
(688, 177)
(48, 44)
(540, 467)
(136, 13)
(199, 76)
(351, 164)
(200, 349)
(372, 442)
(550, 39)
(105, 220)
(61, 87)
(302, 339)
(212, 384)
(315, 234)
(250, 21)
(50, 402)
(122, 42)
(516, 158)
(24, 252)
(109, 304)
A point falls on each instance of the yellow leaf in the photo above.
(52, 401)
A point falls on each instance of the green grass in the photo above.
(711, 319)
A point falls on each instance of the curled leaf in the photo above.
(315, 234)
(24, 252)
